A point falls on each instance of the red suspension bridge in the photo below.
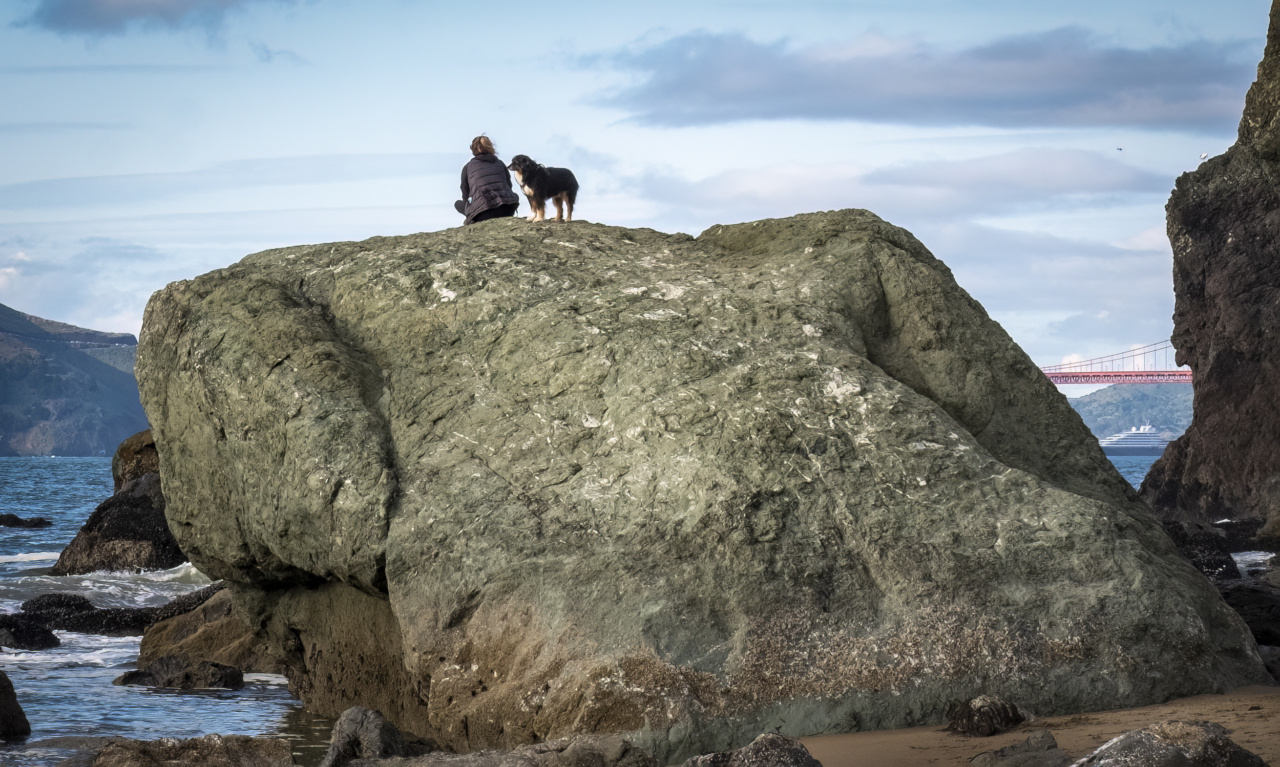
(1150, 364)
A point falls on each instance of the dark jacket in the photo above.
(486, 183)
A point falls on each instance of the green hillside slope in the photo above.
(57, 399)
(1119, 408)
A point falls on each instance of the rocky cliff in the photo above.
(1224, 225)
(508, 482)
(63, 389)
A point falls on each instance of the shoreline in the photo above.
(1251, 715)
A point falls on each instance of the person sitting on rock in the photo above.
(486, 185)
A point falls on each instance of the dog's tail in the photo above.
(571, 194)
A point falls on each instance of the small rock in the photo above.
(13, 520)
(47, 606)
(13, 721)
(22, 633)
(74, 612)
(767, 750)
(209, 751)
(361, 733)
(185, 674)
(1173, 744)
(983, 716)
(1039, 750)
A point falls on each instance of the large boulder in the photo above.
(512, 482)
(1224, 225)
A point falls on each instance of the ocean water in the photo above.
(67, 690)
(1133, 467)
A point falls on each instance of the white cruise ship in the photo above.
(1140, 440)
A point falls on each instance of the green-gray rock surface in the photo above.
(512, 482)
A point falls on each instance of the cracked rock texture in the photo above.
(1224, 226)
(515, 482)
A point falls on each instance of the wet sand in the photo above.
(1250, 714)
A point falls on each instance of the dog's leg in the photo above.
(568, 204)
(559, 201)
(540, 211)
(533, 209)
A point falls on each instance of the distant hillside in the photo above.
(1119, 408)
(65, 390)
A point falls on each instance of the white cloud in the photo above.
(1154, 238)
(936, 190)
(237, 175)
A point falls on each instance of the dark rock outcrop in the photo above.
(1173, 744)
(1040, 749)
(1259, 604)
(984, 716)
(1224, 226)
(22, 633)
(13, 520)
(209, 751)
(13, 720)
(128, 531)
(74, 612)
(184, 673)
(507, 483)
(768, 750)
(134, 458)
(212, 631)
(364, 734)
(1205, 546)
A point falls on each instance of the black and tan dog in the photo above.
(541, 183)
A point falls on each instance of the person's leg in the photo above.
(498, 212)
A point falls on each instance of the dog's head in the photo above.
(522, 164)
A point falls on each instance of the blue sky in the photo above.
(1031, 146)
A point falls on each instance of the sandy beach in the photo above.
(1250, 714)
